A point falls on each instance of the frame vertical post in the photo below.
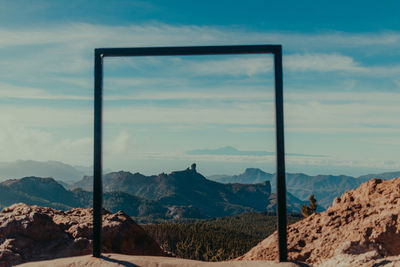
(276, 50)
(280, 157)
(97, 164)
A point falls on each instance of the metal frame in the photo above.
(100, 53)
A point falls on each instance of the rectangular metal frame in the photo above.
(100, 53)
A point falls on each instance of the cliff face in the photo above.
(189, 189)
(31, 233)
(361, 227)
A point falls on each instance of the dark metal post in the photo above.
(280, 157)
(194, 50)
(97, 160)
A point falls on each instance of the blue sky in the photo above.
(341, 82)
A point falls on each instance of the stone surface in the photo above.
(361, 228)
(31, 233)
(111, 260)
(368, 259)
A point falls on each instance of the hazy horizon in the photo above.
(201, 168)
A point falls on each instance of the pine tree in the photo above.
(308, 210)
(313, 204)
(305, 211)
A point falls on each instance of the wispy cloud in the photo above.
(242, 114)
(232, 66)
(321, 63)
(304, 111)
(122, 144)
(81, 35)
(252, 66)
(69, 48)
(44, 116)
(56, 63)
(231, 151)
(397, 82)
(22, 92)
(218, 94)
(22, 142)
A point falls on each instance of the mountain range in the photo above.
(324, 187)
(190, 189)
(54, 169)
(173, 190)
(180, 194)
(61, 172)
(49, 193)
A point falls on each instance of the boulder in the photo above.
(32, 233)
(363, 226)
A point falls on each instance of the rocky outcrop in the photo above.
(31, 233)
(361, 227)
(190, 189)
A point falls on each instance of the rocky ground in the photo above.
(32, 233)
(361, 228)
(118, 260)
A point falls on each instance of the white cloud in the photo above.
(240, 114)
(48, 117)
(250, 66)
(304, 111)
(232, 66)
(321, 63)
(306, 62)
(19, 142)
(251, 129)
(237, 93)
(23, 92)
(64, 54)
(80, 35)
(123, 143)
(69, 48)
(348, 112)
(352, 117)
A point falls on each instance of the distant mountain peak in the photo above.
(228, 148)
(252, 171)
(39, 179)
(193, 167)
(55, 169)
(47, 180)
(190, 173)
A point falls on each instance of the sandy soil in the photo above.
(111, 260)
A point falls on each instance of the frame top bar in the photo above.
(188, 50)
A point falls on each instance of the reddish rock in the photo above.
(362, 226)
(31, 233)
